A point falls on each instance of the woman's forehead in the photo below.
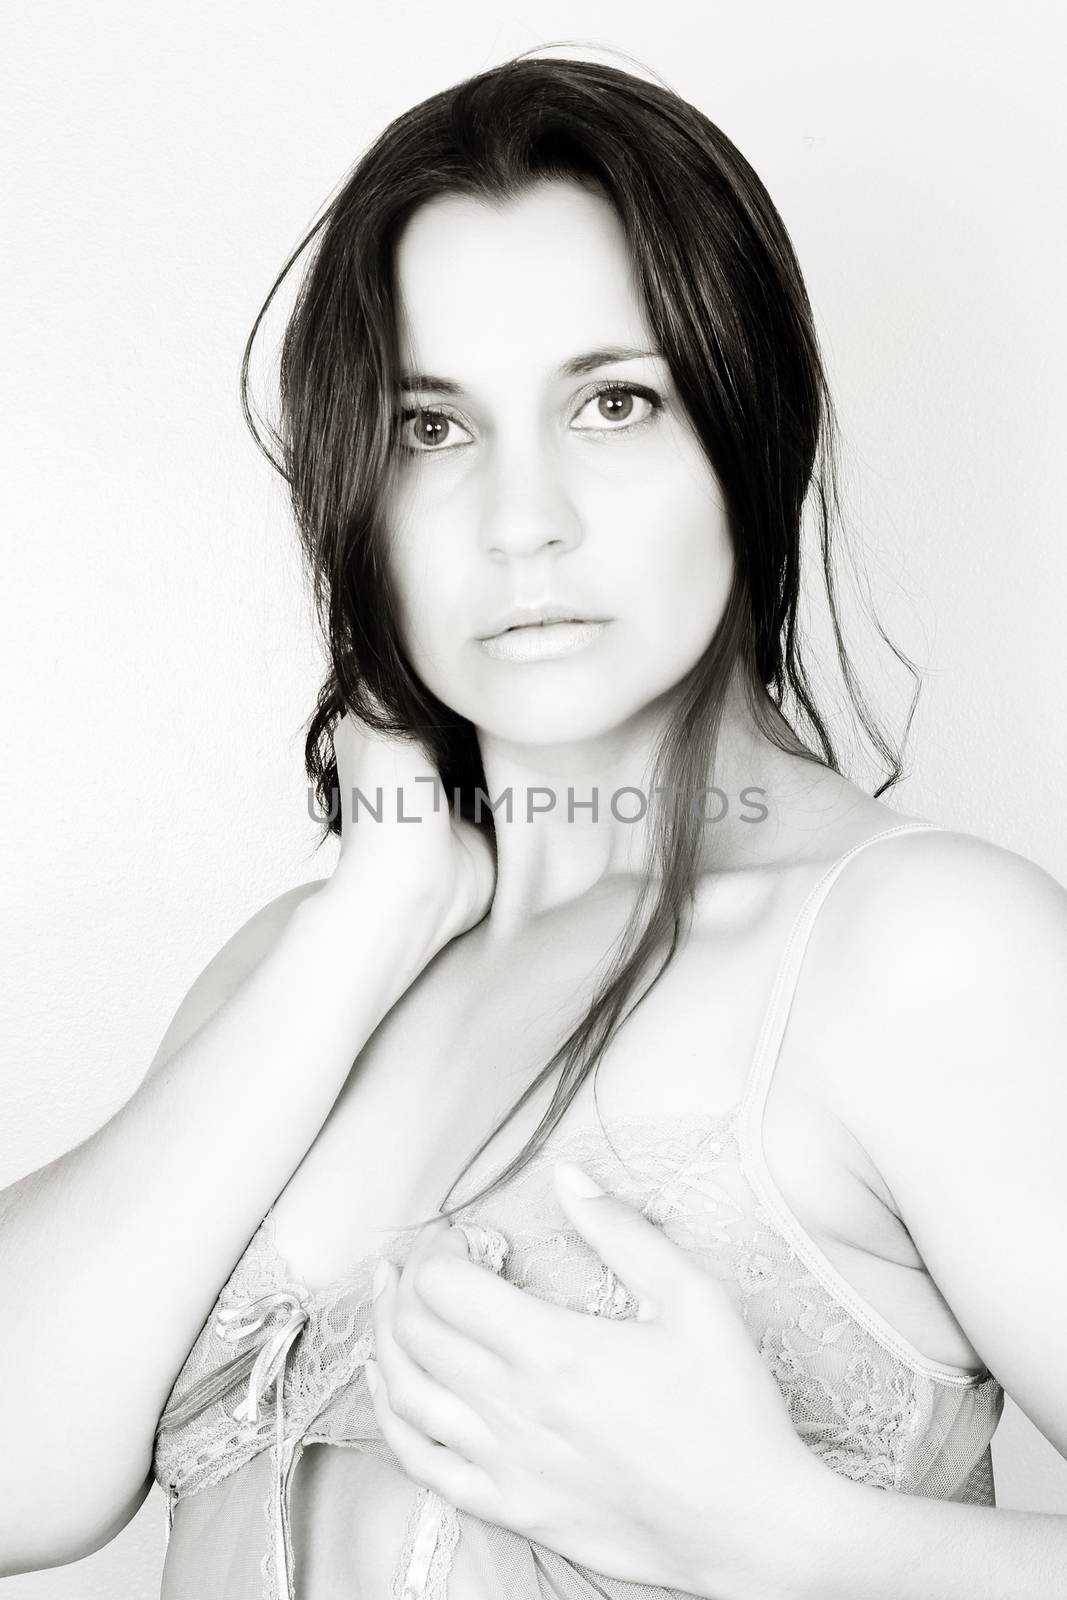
(531, 281)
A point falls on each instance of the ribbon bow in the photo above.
(235, 1323)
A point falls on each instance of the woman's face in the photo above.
(520, 484)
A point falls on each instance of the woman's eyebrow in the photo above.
(576, 367)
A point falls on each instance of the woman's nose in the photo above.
(527, 508)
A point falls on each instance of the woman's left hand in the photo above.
(656, 1449)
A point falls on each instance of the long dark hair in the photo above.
(728, 309)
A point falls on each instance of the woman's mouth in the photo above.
(542, 641)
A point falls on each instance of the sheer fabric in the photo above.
(260, 1509)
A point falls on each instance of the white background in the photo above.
(159, 658)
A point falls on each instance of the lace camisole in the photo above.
(278, 1368)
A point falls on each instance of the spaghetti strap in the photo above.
(750, 1128)
(772, 1031)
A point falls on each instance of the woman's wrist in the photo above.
(797, 1556)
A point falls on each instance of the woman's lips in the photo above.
(542, 641)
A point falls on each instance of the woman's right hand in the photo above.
(438, 859)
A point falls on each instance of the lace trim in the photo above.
(276, 1565)
(430, 1541)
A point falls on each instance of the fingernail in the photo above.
(377, 1283)
(576, 1180)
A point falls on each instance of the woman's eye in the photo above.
(424, 430)
(614, 403)
(612, 408)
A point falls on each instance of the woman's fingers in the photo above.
(432, 1400)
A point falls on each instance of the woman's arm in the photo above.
(111, 1255)
(961, 1102)
(870, 1544)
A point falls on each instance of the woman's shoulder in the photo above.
(925, 891)
(936, 968)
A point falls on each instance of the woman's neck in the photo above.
(553, 847)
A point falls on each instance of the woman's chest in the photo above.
(454, 1056)
(459, 1050)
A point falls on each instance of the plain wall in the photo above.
(159, 655)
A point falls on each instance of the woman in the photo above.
(569, 288)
